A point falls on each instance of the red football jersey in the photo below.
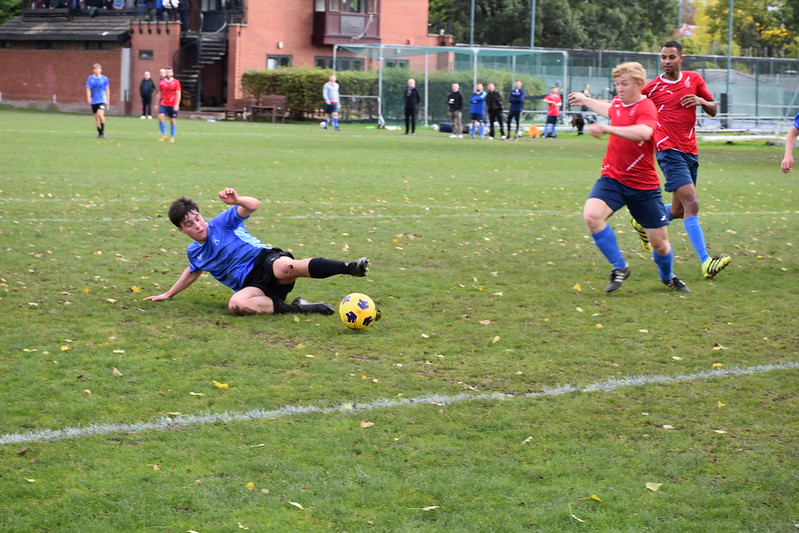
(169, 92)
(632, 162)
(675, 122)
(553, 101)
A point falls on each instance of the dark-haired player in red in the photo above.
(677, 93)
(628, 175)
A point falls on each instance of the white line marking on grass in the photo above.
(165, 423)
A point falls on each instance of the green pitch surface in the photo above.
(470, 406)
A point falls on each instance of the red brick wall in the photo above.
(55, 75)
(401, 22)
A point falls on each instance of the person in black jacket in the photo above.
(146, 90)
(455, 101)
(494, 104)
(412, 101)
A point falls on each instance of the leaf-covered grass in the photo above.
(488, 283)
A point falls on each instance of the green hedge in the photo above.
(303, 89)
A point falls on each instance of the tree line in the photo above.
(764, 28)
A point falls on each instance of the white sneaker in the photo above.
(142, 117)
(453, 136)
(149, 117)
(460, 136)
(503, 137)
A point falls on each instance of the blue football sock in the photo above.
(482, 130)
(607, 244)
(335, 123)
(697, 237)
(668, 212)
(472, 130)
(162, 127)
(665, 264)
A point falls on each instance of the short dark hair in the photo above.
(673, 44)
(180, 208)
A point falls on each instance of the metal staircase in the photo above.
(201, 49)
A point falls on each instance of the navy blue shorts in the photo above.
(478, 117)
(168, 111)
(645, 206)
(678, 167)
(262, 275)
(331, 108)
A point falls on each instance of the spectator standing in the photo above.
(495, 105)
(553, 101)
(331, 95)
(516, 100)
(455, 102)
(412, 99)
(170, 92)
(98, 95)
(146, 90)
(477, 111)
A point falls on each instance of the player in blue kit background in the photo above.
(98, 95)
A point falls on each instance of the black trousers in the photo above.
(495, 115)
(410, 120)
(147, 105)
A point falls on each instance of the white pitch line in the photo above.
(164, 423)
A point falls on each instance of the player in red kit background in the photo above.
(677, 93)
(169, 104)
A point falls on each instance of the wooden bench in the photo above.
(239, 108)
(270, 105)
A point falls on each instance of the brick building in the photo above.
(47, 54)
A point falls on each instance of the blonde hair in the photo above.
(634, 69)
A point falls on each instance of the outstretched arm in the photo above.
(246, 204)
(599, 107)
(183, 282)
(790, 143)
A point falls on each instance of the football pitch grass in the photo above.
(503, 389)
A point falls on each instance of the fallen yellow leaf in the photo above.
(720, 404)
(577, 287)
(654, 487)
(250, 486)
(220, 385)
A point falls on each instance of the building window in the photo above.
(342, 63)
(48, 45)
(146, 54)
(397, 63)
(274, 61)
(98, 45)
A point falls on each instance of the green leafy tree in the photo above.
(635, 25)
(9, 8)
(759, 27)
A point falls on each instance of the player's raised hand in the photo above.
(229, 196)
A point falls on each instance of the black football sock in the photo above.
(282, 307)
(319, 267)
